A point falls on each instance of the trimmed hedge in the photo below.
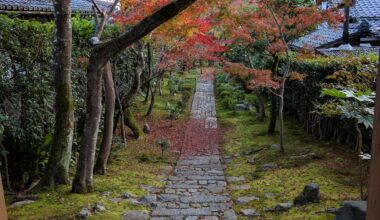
(301, 95)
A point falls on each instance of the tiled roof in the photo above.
(355, 51)
(364, 10)
(82, 6)
(323, 35)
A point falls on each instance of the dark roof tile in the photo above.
(343, 53)
(323, 35)
(366, 9)
(82, 6)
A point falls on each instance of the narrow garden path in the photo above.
(197, 187)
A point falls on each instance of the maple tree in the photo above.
(273, 24)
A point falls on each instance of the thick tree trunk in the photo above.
(105, 147)
(84, 174)
(3, 208)
(100, 56)
(57, 171)
(374, 182)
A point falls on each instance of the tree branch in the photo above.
(97, 7)
(109, 49)
(112, 9)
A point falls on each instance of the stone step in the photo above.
(181, 212)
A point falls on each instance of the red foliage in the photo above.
(254, 77)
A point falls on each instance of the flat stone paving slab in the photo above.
(197, 188)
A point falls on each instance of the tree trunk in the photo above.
(359, 150)
(131, 122)
(105, 147)
(100, 56)
(273, 109)
(374, 182)
(3, 208)
(152, 101)
(260, 98)
(129, 119)
(147, 93)
(121, 117)
(149, 73)
(261, 103)
(83, 178)
(281, 117)
(346, 26)
(160, 85)
(7, 172)
(117, 118)
(273, 114)
(57, 171)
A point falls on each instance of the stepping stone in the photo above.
(136, 215)
(229, 215)
(98, 207)
(246, 200)
(148, 199)
(21, 203)
(268, 166)
(84, 214)
(241, 187)
(269, 195)
(116, 200)
(231, 179)
(182, 212)
(251, 161)
(249, 212)
(204, 199)
(283, 207)
(134, 201)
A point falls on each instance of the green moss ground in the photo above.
(125, 174)
(336, 172)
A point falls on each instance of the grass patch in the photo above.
(336, 171)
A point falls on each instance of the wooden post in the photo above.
(3, 209)
(374, 182)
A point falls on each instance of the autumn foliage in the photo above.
(208, 28)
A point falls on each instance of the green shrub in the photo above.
(164, 146)
(301, 96)
(174, 84)
(27, 90)
(174, 110)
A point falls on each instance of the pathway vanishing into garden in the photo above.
(197, 188)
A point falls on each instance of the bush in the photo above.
(27, 91)
(174, 111)
(229, 95)
(164, 146)
(174, 85)
(356, 73)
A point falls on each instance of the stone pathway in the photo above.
(197, 188)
